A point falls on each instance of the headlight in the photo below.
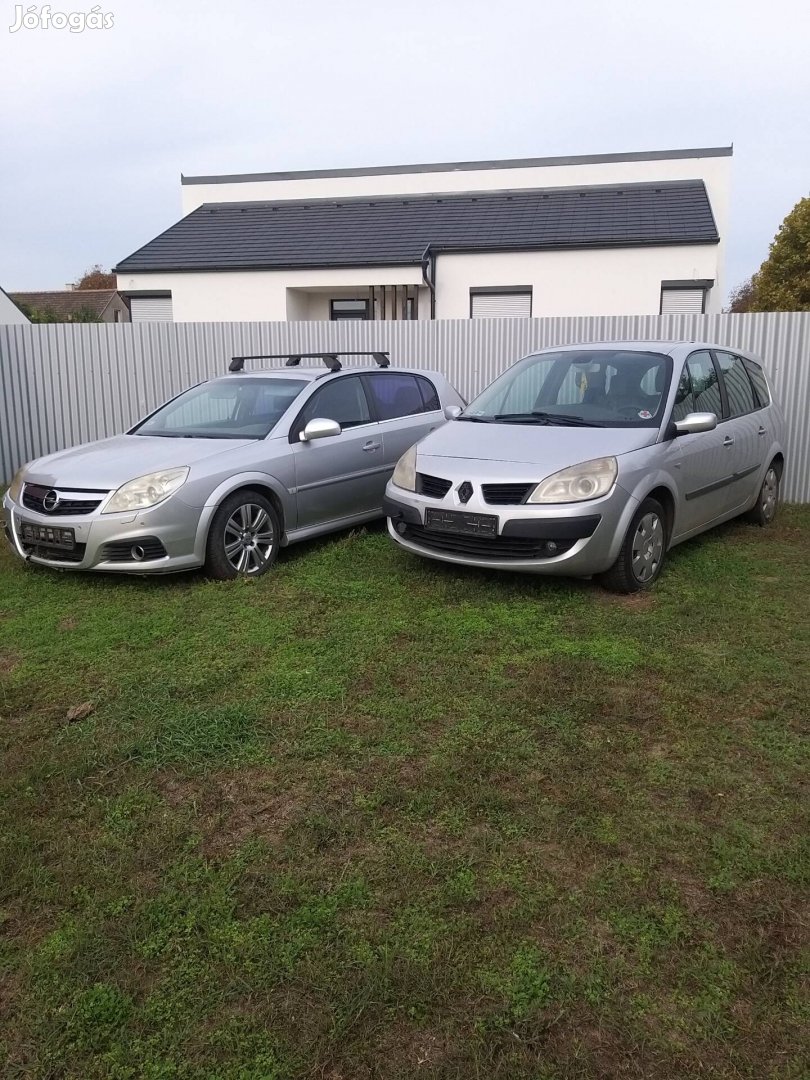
(146, 491)
(405, 472)
(577, 484)
(15, 487)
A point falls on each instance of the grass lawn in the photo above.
(373, 817)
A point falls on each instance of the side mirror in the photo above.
(695, 422)
(320, 429)
(452, 412)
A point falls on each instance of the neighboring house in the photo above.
(101, 305)
(613, 234)
(9, 312)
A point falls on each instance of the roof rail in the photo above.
(330, 358)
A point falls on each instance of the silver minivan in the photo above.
(594, 460)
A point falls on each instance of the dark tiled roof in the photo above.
(396, 231)
(67, 302)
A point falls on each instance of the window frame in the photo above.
(346, 316)
(295, 426)
(721, 386)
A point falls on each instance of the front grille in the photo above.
(33, 494)
(53, 554)
(433, 486)
(505, 494)
(121, 550)
(478, 547)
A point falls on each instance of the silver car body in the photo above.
(316, 486)
(702, 479)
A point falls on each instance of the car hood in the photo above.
(109, 463)
(537, 450)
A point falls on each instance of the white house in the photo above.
(9, 312)
(608, 234)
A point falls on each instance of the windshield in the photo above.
(578, 388)
(230, 408)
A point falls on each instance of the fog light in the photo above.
(401, 527)
(137, 552)
(551, 547)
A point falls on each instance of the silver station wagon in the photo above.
(594, 460)
(230, 471)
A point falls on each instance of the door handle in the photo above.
(728, 441)
(371, 445)
(762, 431)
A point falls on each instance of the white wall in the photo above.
(9, 312)
(261, 295)
(609, 281)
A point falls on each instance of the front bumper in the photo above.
(572, 539)
(166, 534)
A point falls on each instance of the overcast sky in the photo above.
(97, 126)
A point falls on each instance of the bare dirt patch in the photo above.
(9, 662)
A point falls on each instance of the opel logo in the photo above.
(50, 501)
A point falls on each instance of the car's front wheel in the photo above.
(244, 537)
(642, 552)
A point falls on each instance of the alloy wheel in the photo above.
(770, 494)
(648, 548)
(249, 538)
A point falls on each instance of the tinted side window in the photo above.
(684, 402)
(429, 395)
(395, 395)
(705, 386)
(759, 382)
(343, 400)
(738, 385)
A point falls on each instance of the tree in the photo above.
(742, 297)
(783, 281)
(96, 278)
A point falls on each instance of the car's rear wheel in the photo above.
(244, 537)
(642, 553)
(764, 510)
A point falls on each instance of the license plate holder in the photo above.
(53, 536)
(457, 521)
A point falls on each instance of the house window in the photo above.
(684, 297)
(505, 301)
(348, 309)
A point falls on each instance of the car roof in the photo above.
(320, 371)
(666, 345)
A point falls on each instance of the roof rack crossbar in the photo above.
(330, 358)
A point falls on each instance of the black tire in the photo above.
(244, 537)
(763, 511)
(642, 553)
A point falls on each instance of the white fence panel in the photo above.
(63, 384)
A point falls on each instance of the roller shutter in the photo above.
(508, 305)
(682, 301)
(151, 309)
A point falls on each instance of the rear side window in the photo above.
(759, 382)
(705, 386)
(343, 400)
(738, 386)
(399, 395)
(429, 394)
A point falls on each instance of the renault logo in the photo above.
(465, 491)
(50, 501)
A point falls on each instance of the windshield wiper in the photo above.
(566, 418)
(475, 419)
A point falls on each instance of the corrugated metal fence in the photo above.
(66, 384)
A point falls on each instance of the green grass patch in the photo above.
(370, 816)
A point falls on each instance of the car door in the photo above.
(742, 426)
(407, 406)
(340, 476)
(704, 463)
